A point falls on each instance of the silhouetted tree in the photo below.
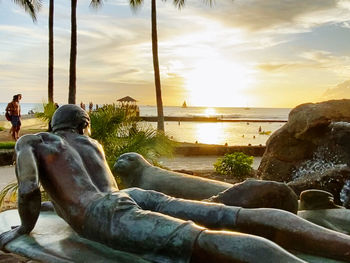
(73, 54)
(51, 54)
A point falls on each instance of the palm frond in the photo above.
(46, 115)
(9, 191)
(211, 3)
(179, 3)
(135, 4)
(95, 4)
(30, 6)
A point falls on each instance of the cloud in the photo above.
(256, 15)
(341, 91)
(311, 59)
(273, 67)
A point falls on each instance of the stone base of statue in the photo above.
(53, 241)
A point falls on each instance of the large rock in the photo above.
(305, 117)
(315, 141)
(313, 131)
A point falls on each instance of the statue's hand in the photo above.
(10, 235)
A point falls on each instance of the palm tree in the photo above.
(30, 6)
(160, 124)
(51, 55)
(135, 4)
(73, 53)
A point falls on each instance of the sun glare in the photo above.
(209, 133)
(209, 112)
(217, 83)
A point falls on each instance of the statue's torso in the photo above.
(73, 171)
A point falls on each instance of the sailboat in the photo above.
(184, 105)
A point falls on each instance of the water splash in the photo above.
(322, 160)
(345, 194)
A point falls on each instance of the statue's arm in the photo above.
(29, 198)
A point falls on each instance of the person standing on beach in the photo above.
(14, 109)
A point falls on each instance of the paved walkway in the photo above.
(7, 175)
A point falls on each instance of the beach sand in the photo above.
(30, 124)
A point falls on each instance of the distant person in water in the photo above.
(14, 109)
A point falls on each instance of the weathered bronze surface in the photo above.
(54, 241)
(138, 172)
(72, 169)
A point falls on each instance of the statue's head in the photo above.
(129, 167)
(71, 117)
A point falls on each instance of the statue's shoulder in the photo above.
(88, 141)
(34, 139)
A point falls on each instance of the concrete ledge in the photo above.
(204, 119)
(202, 149)
(7, 157)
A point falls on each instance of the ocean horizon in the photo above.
(230, 133)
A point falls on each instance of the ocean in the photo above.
(232, 133)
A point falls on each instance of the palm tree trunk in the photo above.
(51, 56)
(160, 126)
(73, 53)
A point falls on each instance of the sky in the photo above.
(233, 53)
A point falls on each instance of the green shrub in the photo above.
(235, 164)
(2, 128)
(7, 145)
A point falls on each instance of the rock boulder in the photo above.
(311, 148)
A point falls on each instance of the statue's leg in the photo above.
(291, 231)
(117, 221)
(284, 228)
(225, 246)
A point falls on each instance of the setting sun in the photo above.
(218, 83)
(209, 112)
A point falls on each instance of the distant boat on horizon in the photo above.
(184, 105)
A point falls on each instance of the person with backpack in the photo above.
(13, 109)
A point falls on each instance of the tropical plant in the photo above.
(46, 115)
(120, 133)
(30, 6)
(235, 164)
(10, 193)
(105, 123)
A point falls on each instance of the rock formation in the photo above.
(312, 150)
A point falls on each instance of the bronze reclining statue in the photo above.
(71, 167)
